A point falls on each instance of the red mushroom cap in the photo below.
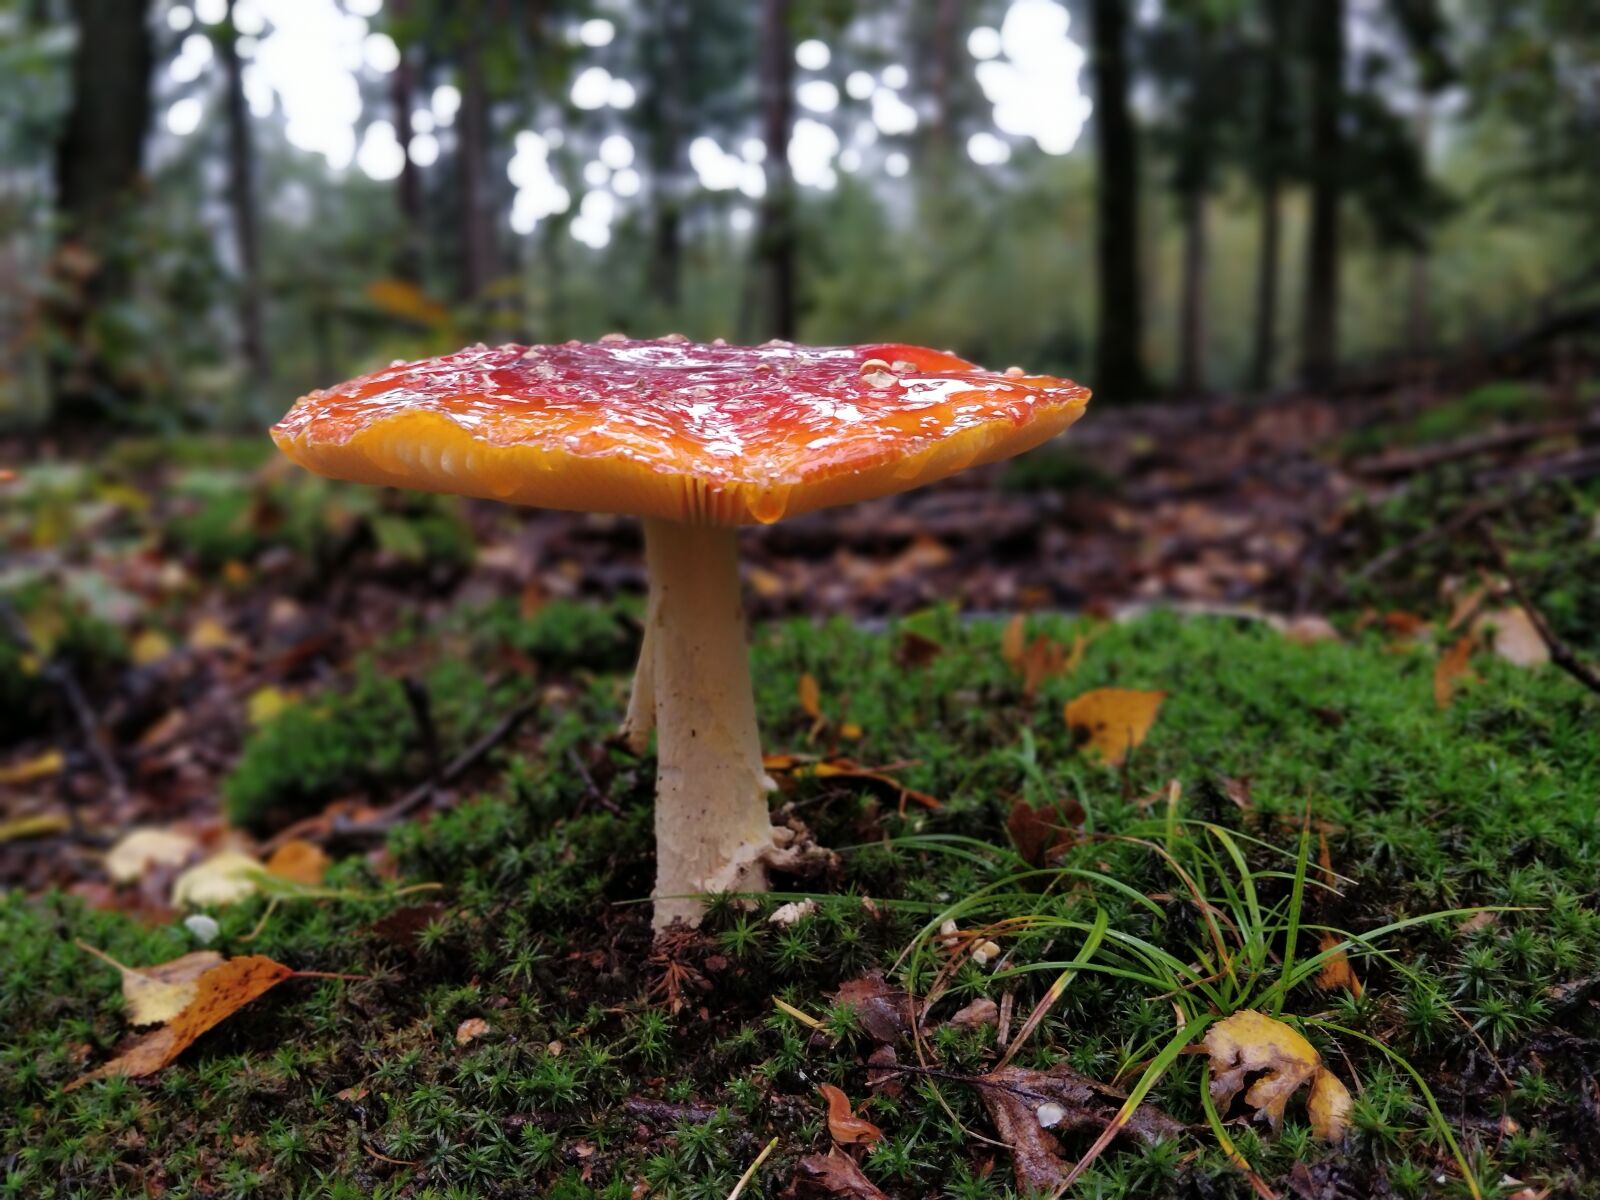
(710, 434)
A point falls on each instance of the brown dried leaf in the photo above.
(299, 861)
(1453, 669)
(883, 1010)
(1337, 971)
(1252, 1043)
(844, 1127)
(914, 650)
(1039, 833)
(831, 1176)
(1026, 1105)
(1114, 720)
(219, 993)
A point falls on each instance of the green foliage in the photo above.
(1489, 802)
(365, 737)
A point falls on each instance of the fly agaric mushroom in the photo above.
(697, 440)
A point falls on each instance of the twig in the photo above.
(1561, 654)
(1463, 518)
(457, 767)
(1406, 462)
(590, 787)
(422, 713)
(57, 673)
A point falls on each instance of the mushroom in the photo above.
(697, 440)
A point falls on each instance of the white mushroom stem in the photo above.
(713, 832)
(640, 719)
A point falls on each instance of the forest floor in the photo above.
(203, 642)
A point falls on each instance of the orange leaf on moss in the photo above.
(1114, 721)
(219, 993)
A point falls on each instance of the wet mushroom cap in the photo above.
(672, 429)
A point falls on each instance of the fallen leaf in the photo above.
(1515, 638)
(265, 703)
(831, 1176)
(1252, 1043)
(1453, 669)
(299, 861)
(208, 633)
(1115, 720)
(1014, 639)
(1404, 626)
(1040, 833)
(156, 994)
(40, 766)
(1308, 629)
(471, 1030)
(224, 878)
(1336, 971)
(138, 851)
(810, 696)
(150, 646)
(883, 1010)
(914, 650)
(982, 1011)
(219, 993)
(1025, 1105)
(840, 767)
(843, 1126)
(1237, 789)
(37, 825)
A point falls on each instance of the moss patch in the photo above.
(589, 1083)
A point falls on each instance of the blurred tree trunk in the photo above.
(1270, 153)
(948, 23)
(98, 161)
(666, 134)
(1419, 331)
(1319, 351)
(242, 203)
(776, 249)
(477, 233)
(1191, 308)
(1119, 355)
(408, 187)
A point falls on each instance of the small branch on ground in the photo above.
(386, 817)
(1561, 653)
(60, 676)
(1407, 462)
(427, 731)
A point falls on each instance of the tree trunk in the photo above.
(776, 240)
(477, 233)
(408, 187)
(242, 202)
(1319, 351)
(99, 158)
(1264, 338)
(1191, 307)
(1419, 325)
(668, 68)
(948, 24)
(1119, 355)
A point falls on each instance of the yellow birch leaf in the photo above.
(136, 852)
(1115, 720)
(39, 766)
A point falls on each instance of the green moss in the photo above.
(366, 737)
(1491, 801)
(1506, 401)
